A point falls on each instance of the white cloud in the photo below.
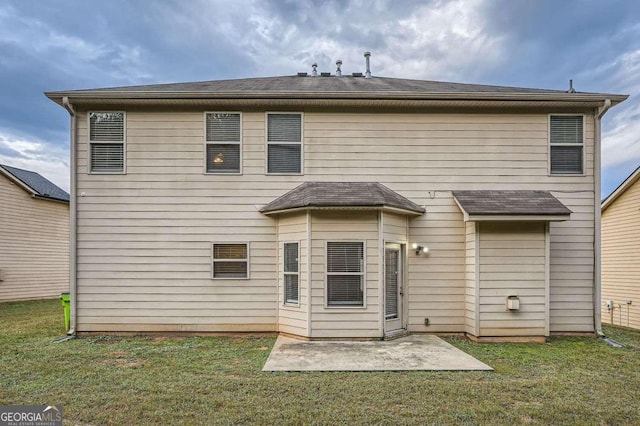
(621, 140)
(439, 40)
(29, 153)
(67, 53)
(447, 41)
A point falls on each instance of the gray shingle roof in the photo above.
(510, 203)
(332, 84)
(341, 194)
(290, 87)
(43, 187)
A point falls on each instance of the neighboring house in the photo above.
(621, 254)
(335, 206)
(34, 236)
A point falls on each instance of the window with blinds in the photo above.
(345, 273)
(284, 143)
(566, 142)
(106, 142)
(230, 260)
(291, 273)
(223, 142)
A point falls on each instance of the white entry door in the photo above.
(393, 290)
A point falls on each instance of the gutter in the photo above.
(597, 240)
(72, 218)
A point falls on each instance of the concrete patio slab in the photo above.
(415, 352)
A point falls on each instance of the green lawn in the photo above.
(143, 380)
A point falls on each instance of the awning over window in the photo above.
(346, 195)
(510, 206)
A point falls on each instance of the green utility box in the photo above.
(65, 299)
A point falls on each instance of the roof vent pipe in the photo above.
(338, 65)
(367, 73)
(315, 70)
(571, 89)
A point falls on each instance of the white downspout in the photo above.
(72, 217)
(597, 267)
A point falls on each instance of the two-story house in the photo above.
(335, 207)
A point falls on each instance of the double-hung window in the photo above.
(345, 273)
(106, 142)
(566, 144)
(291, 273)
(230, 260)
(223, 142)
(284, 143)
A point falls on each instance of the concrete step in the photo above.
(396, 334)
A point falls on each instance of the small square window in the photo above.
(230, 260)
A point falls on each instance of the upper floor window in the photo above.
(284, 143)
(223, 142)
(566, 142)
(106, 142)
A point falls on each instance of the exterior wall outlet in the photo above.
(609, 304)
(513, 303)
(426, 322)
(1, 274)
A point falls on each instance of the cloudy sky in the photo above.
(57, 45)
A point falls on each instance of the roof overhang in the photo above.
(18, 182)
(388, 99)
(510, 206)
(513, 218)
(383, 208)
(355, 196)
(626, 184)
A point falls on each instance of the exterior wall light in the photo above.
(420, 248)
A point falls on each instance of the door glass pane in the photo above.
(391, 283)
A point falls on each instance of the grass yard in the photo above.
(144, 380)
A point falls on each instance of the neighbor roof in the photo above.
(331, 87)
(626, 184)
(509, 203)
(341, 194)
(38, 185)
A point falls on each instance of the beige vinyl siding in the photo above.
(437, 281)
(394, 228)
(293, 319)
(149, 231)
(34, 245)
(146, 236)
(571, 266)
(512, 263)
(471, 293)
(621, 258)
(345, 321)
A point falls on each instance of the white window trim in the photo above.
(124, 144)
(284, 273)
(206, 142)
(267, 143)
(248, 260)
(584, 146)
(363, 274)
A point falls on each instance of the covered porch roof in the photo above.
(342, 195)
(523, 205)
